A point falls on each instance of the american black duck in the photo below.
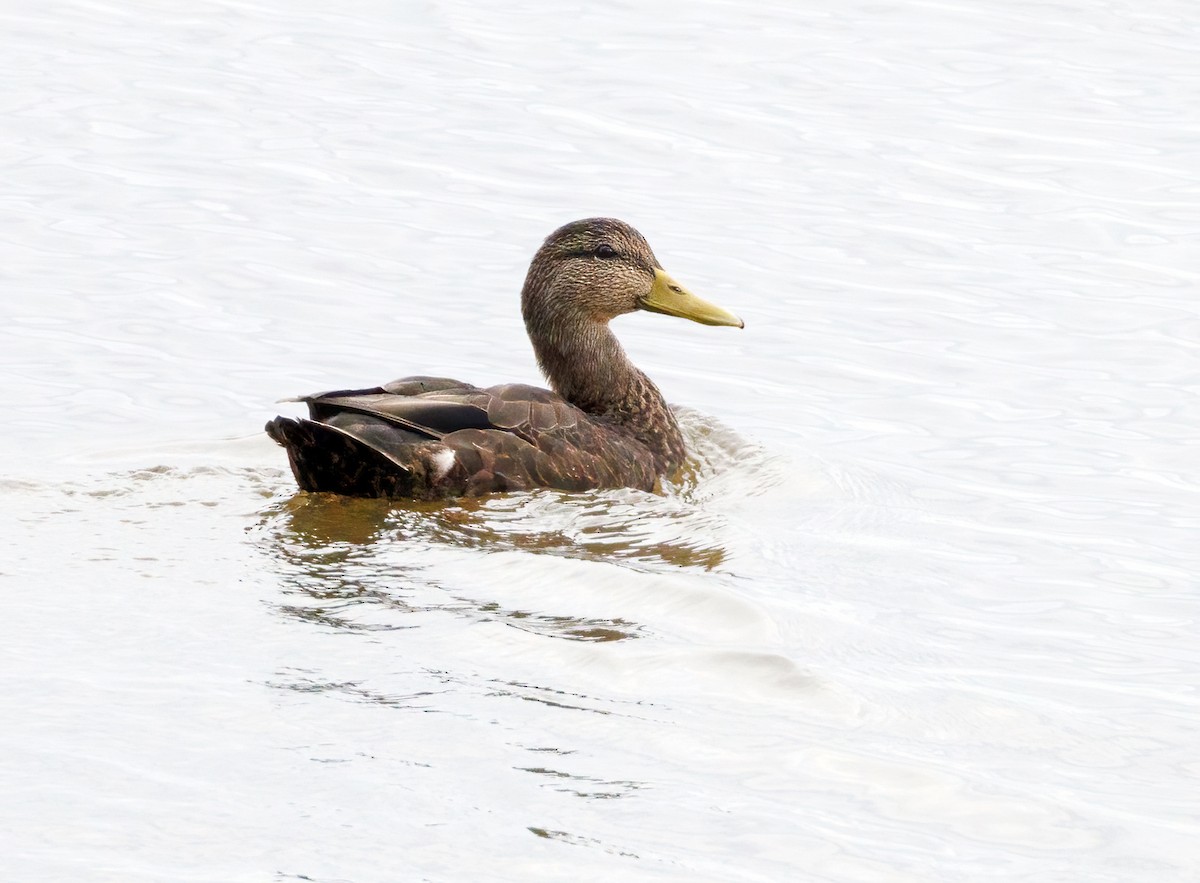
(604, 425)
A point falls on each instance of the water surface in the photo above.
(925, 608)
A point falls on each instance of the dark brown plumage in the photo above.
(605, 425)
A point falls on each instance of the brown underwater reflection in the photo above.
(369, 565)
(608, 526)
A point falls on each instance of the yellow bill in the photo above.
(669, 297)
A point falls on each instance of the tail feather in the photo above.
(327, 459)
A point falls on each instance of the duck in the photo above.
(602, 424)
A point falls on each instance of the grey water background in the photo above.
(927, 607)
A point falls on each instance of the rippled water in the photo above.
(926, 609)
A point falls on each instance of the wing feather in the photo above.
(502, 438)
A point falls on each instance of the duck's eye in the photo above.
(605, 251)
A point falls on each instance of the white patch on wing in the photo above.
(444, 460)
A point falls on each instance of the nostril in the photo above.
(677, 289)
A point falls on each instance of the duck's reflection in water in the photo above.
(324, 544)
(361, 564)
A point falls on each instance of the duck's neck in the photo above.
(587, 366)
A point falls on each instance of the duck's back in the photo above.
(432, 437)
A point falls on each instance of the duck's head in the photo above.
(594, 270)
